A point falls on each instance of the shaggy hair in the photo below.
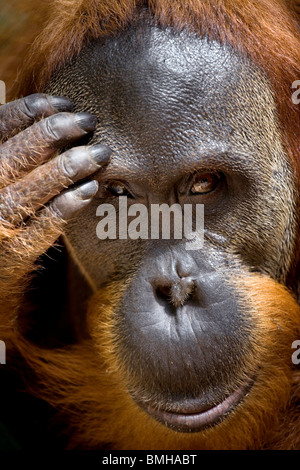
(84, 381)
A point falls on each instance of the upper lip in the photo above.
(196, 417)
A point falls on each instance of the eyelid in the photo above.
(185, 185)
(109, 184)
(215, 176)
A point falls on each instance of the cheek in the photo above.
(274, 316)
(100, 261)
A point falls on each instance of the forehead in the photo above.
(162, 95)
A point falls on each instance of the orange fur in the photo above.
(87, 383)
(20, 23)
(265, 30)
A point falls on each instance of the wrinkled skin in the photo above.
(171, 107)
(33, 194)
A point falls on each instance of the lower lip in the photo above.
(198, 421)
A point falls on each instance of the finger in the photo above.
(38, 143)
(21, 252)
(19, 114)
(23, 198)
(69, 203)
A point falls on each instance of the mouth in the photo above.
(193, 417)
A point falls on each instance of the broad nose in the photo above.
(176, 292)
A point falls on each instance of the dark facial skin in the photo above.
(172, 106)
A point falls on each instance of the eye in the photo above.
(205, 182)
(117, 189)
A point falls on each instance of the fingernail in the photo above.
(100, 153)
(87, 190)
(86, 121)
(60, 103)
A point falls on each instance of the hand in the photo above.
(35, 203)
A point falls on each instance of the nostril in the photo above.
(176, 293)
(182, 291)
(164, 293)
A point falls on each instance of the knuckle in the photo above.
(54, 211)
(67, 204)
(59, 207)
(59, 128)
(52, 129)
(34, 105)
(66, 166)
